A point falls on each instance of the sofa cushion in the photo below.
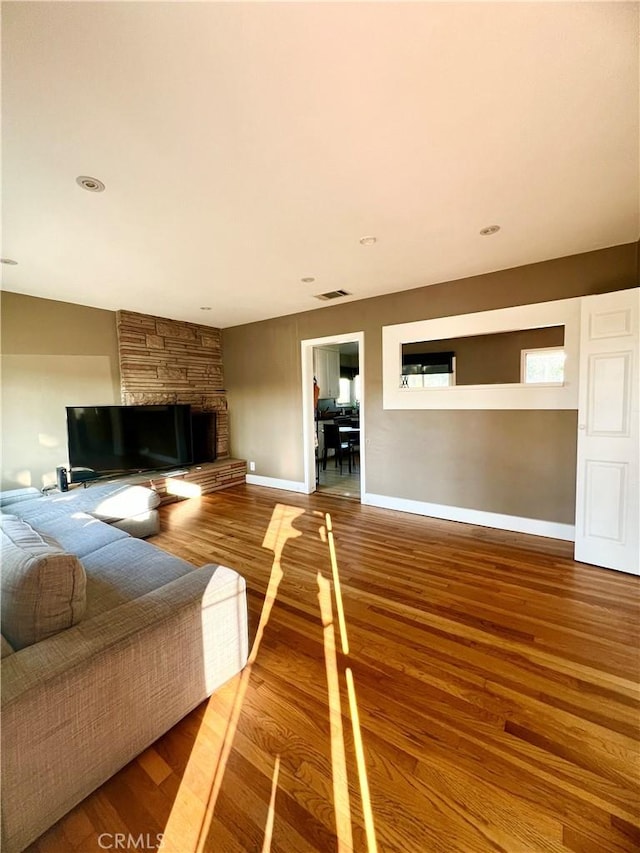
(109, 501)
(125, 570)
(79, 533)
(43, 587)
(140, 526)
(22, 534)
(37, 510)
(17, 495)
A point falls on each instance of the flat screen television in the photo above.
(111, 440)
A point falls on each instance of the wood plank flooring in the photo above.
(438, 687)
(338, 483)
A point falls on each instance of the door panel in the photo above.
(607, 502)
(609, 394)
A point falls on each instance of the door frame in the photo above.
(308, 444)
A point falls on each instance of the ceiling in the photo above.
(245, 146)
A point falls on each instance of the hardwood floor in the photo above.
(333, 481)
(439, 687)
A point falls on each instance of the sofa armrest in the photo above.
(80, 705)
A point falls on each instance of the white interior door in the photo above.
(607, 500)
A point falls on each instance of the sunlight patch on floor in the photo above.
(363, 778)
(182, 488)
(338, 753)
(367, 811)
(190, 822)
(336, 586)
(177, 837)
(268, 830)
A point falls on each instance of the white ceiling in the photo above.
(246, 145)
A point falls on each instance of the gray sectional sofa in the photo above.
(107, 641)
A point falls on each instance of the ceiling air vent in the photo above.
(332, 294)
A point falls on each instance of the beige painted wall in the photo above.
(519, 463)
(54, 354)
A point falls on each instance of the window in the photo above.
(437, 380)
(427, 369)
(357, 387)
(495, 391)
(344, 397)
(543, 366)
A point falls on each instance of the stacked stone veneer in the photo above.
(168, 361)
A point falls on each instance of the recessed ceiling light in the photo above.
(205, 308)
(9, 262)
(93, 185)
(490, 229)
(368, 241)
(308, 279)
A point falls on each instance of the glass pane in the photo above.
(414, 380)
(436, 380)
(344, 398)
(544, 366)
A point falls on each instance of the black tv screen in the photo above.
(119, 439)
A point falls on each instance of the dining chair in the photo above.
(354, 447)
(334, 441)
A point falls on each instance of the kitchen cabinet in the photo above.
(326, 369)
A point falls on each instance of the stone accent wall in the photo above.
(169, 361)
(210, 477)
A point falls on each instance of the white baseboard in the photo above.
(551, 529)
(534, 526)
(275, 483)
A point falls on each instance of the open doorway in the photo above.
(333, 415)
(337, 419)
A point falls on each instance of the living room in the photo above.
(477, 661)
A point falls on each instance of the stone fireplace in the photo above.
(170, 361)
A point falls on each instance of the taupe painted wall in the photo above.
(54, 354)
(519, 463)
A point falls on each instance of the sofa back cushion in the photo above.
(14, 496)
(43, 587)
